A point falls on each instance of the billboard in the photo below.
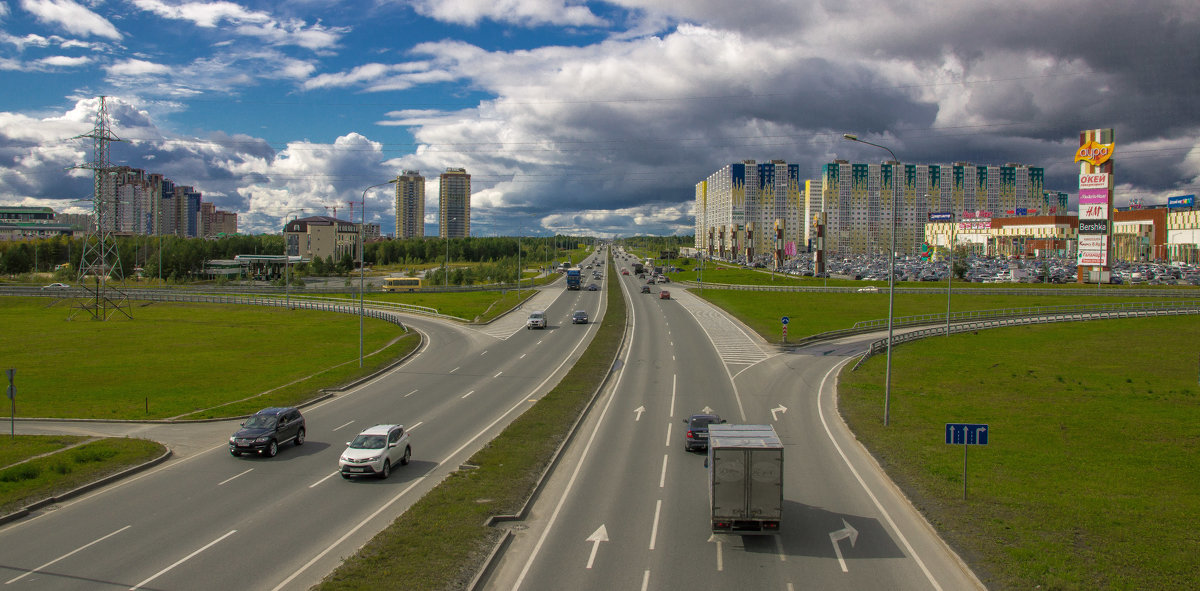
(944, 216)
(1093, 250)
(1093, 180)
(1181, 201)
(1092, 227)
(1093, 211)
(1087, 196)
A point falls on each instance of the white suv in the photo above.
(536, 320)
(375, 451)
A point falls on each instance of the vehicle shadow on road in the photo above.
(289, 451)
(400, 474)
(811, 531)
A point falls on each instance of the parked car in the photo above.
(664, 295)
(536, 320)
(696, 436)
(868, 289)
(375, 451)
(266, 430)
(645, 289)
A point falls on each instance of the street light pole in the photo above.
(950, 272)
(447, 269)
(887, 384)
(362, 247)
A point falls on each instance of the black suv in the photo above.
(266, 430)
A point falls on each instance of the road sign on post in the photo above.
(785, 321)
(966, 435)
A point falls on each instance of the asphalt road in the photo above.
(627, 508)
(206, 520)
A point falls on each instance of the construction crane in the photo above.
(332, 208)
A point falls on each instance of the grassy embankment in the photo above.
(440, 541)
(25, 479)
(1089, 479)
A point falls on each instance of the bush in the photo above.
(19, 473)
(86, 455)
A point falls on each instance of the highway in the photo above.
(206, 520)
(627, 508)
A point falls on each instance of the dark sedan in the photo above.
(696, 436)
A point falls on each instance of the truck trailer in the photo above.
(574, 278)
(745, 479)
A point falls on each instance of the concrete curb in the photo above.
(85, 488)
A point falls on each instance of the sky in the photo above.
(580, 117)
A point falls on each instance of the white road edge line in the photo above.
(348, 534)
(67, 555)
(662, 479)
(578, 465)
(234, 476)
(654, 528)
(863, 484)
(181, 561)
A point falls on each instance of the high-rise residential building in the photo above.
(410, 205)
(858, 200)
(454, 201)
(748, 209)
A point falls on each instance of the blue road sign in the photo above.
(785, 320)
(966, 434)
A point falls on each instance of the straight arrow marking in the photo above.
(639, 410)
(600, 535)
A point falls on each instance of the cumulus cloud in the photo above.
(71, 17)
(519, 12)
(249, 23)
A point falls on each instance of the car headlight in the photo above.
(373, 458)
(262, 439)
(232, 439)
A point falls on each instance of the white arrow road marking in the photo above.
(780, 408)
(600, 535)
(720, 560)
(639, 410)
(841, 534)
(706, 410)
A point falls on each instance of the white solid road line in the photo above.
(654, 528)
(181, 561)
(68, 554)
(863, 484)
(234, 476)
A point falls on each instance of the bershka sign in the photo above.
(1093, 226)
(1094, 153)
(1097, 180)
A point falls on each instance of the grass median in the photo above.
(1089, 479)
(53, 473)
(441, 540)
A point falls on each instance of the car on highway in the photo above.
(264, 431)
(868, 289)
(579, 317)
(56, 286)
(624, 271)
(696, 435)
(645, 289)
(536, 320)
(593, 287)
(374, 451)
(664, 295)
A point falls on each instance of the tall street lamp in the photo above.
(362, 247)
(887, 384)
(447, 270)
(287, 263)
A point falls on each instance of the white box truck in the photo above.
(745, 479)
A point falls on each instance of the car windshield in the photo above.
(368, 442)
(702, 422)
(260, 422)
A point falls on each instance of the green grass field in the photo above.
(183, 360)
(1090, 478)
(44, 477)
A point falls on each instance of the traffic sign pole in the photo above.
(966, 434)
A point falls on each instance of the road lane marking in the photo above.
(779, 549)
(654, 528)
(360, 525)
(331, 475)
(67, 555)
(646, 580)
(346, 424)
(454, 370)
(497, 375)
(484, 352)
(522, 356)
(234, 476)
(600, 535)
(468, 394)
(662, 479)
(674, 378)
(720, 554)
(410, 393)
(419, 423)
(668, 443)
(181, 561)
(878, 505)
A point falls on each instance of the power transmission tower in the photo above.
(101, 259)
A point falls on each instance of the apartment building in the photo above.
(410, 205)
(454, 203)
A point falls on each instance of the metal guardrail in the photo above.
(880, 345)
(382, 310)
(1107, 291)
(919, 319)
